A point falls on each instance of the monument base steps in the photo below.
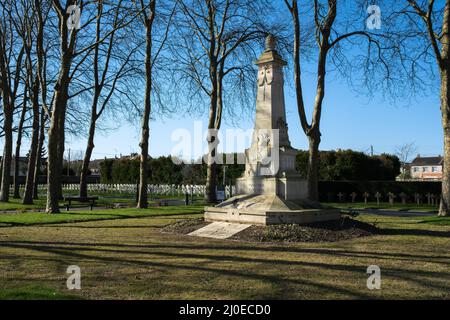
(269, 209)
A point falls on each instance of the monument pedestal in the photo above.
(267, 209)
(270, 191)
(271, 200)
(290, 187)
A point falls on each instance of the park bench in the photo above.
(90, 199)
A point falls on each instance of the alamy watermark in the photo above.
(74, 19)
(374, 19)
(74, 280)
(195, 148)
(374, 280)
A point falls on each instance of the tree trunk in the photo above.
(16, 193)
(61, 148)
(53, 167)
(211, 182)
(37, 166)
(211, 175)
(145, 134)
(56, 143)
(313, 166)
(87, 155)
(7, 155)
(444, 209)
(8, 109)
(443, 62)
(56, 134)
(1, 168)
(143, 173)
(29, 184)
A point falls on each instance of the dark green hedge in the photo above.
(328, 190)
(351, 165)
(163, 170)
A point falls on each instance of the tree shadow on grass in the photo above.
(236, 246)
(415, 232)
(243, 274)
(70, 250)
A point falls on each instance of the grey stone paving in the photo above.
(219, 230)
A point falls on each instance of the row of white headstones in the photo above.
(199, 190)
(157, 189)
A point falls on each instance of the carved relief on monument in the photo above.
(263, 148)
(265, 79)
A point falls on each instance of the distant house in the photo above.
(427, 168)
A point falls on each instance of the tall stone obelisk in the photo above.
(270, 191)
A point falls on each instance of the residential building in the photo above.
(427, 168)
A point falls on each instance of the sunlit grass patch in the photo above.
(440, 221)
(35, 293)
(35, 218)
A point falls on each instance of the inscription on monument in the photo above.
(257, 188)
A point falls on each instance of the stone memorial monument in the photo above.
(270, 190)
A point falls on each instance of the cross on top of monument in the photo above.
(270, 54)
(271, 43)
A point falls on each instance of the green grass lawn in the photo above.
(387, 206)
(36, 293)
(16, 204)
(40, 218)
(440, 221)
(131, 258)
(39, 204)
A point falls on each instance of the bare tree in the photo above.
(23, 28)
(112, 63)
(432, 21)
(39, 154)
(29, 38)
(42, 11)
(73, 53)
(151, 13)
(148, 18)
(59, 104)
(405, 152)
(330, 38)
(214, 52)
(20, 132)
(11, 59)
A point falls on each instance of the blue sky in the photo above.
(349, 122)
